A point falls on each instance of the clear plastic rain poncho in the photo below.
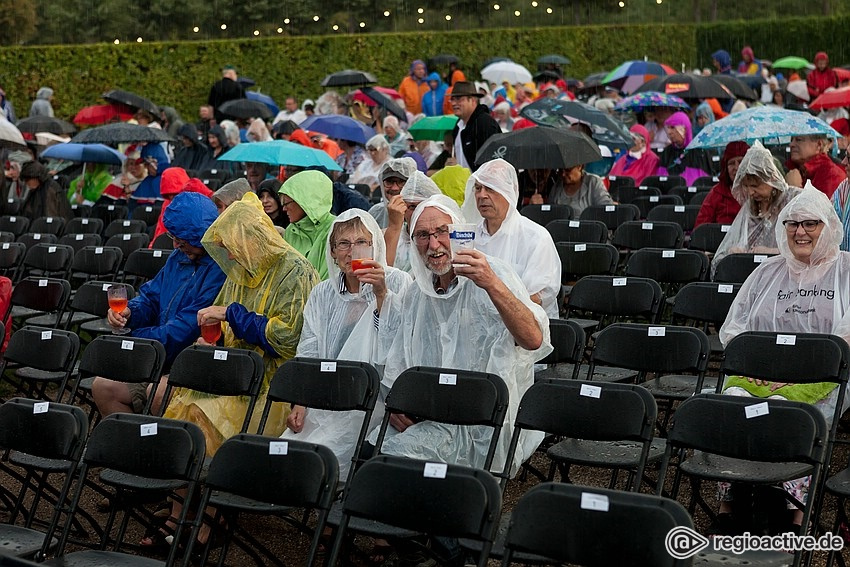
(789, 295)
(340, 325)
(267, 277)
(525, 245)
(751, 230)
(458, 329)
(313, 191)
(417, 188)
(395, 167)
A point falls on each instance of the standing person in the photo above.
(475, 125)
(749, 65)
(414, 86)
(226, 88)
(307, 198)
(821, 77)
(42, 106)
(45, 198)
(720, 205)
(432, 101)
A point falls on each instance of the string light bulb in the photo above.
(117, 41)
(224, 26)
(196, 29)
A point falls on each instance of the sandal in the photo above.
(159, 538)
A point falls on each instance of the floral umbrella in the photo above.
(641, 101)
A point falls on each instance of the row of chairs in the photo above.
(667, 208)
(57, 226)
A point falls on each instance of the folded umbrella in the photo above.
(555, 112)
(765, 123)
(35, 124)
(102, 113)
(121, 133)
(243, 109)
(280, 152)
(433, 127)
(540, 148)
(385, 102)
(132, 99)
(340, 127)
(348, 78)
(86, 153)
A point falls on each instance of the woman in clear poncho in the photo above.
(397, 236)
(261, 308)
(761, 189)
(339, 323)
(805, 289)
(307, 198)
(399, 169)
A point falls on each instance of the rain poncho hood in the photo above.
(188, 217)
(681, 120)
(452, 181)
(379, 247)
(402, 168)
(811, 204)
(724, 59)
(44, 93)
(231, 192)
(418, 188)
(704, 111)
(757, 161)
(421, 274)
(526, 246)
(313, 192)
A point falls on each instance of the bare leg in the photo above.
(111, 396)
(156, 405)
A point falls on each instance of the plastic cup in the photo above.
(359, 253)
(461, 237)
(211, 332)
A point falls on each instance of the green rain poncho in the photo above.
(313, 191)
(90, 184)
(269, 278)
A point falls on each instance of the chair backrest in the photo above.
(48, 225)
(129, 243)
(11, 257)
(50, 350)
(683, 215)
(30, 239)
(615, 181)
(686, 192)
(44, 429)
(79, 210)
(568, 339)
(612, 215)
(50, 259)
(6, 236)
(42, 294)
(124, 226)
(79, 241)
(163, 242)
(109, 213)
(213, 173)
(578, 231)
(145, 263)
(664, 182)
(697, 199)
(707, 237)
(704, 302)
(706, 181)
(593, 526)
(668, 266)
(91, 297)
(544, 214)
(647, 203)
(212, 184)
(123, 359)
(98, 261)
(13, 206)
(736, 268)
(149, 214)
(84, 225)
(634, 235)
(616, 297)
(584, 259)
(16, 224)
(625, 194)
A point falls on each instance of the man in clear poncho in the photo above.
(491, 194)
(394, 173)
(400, 209)
(340, 323)
(261, 308)
(761, 189)
(471, 312)
(307, 198)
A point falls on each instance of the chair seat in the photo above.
(38, 463)
(236, 502)
(600, 373)
(133, 482)
(555, 372)
(677, 386)
(368, 527)
(93, 558)
(716, 467)
(714, 343)
(839, 483)
(86, 383)
(19, 312)
(51, 320)
(613, 454)
(96, 325)
(710, 556)
(19, 541)
(29, 373)
(587, 325)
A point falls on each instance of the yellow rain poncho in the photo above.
(313, 191)
(267, 277)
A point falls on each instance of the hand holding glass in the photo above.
(117, 297)
(360, 252)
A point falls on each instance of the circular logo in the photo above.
(683, 542)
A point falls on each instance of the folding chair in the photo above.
(736, 268)
(578, 231)
(13, 206)
(124, 226)
(84, 225)
(612, 215)
(6, 237)
(626, 194)
(108, 213)
(670, 268)
(48, 225)
(149, 214)
(707, 237)
(576, 525)
(89, 304)
(616, 181)
(49, 260)
(80, 210)
(129, 243)
(586, 259)
(11, 257)
(706, 181)
(220, 174)
(697, 199)
(144, 264)
(664, 182)
(683, 215)
(544, 214)
(15, 224)
(42, 357)
(433, 498)
(686, 192)
(635, 235)
(646, 204)
(212, 184)
(80, 240)
(38, 296)
(30, 239)
(48, 431)
(97, 262)
(147, 446)
(163, 242)
(568, 341)
(702, 304)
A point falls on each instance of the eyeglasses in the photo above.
(808, 225)
(371, 149)
(285, 204)
(178, 241)
(424, 237)
(394, 181)
(345, 245)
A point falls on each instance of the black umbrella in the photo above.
(132, 99)
(121, 133)
(553, 60)
(594, 80)
(492, 60)
(558, 113)
(35, 124)
(246, 82)
(688, 87)
(443, 59)
(244, 108)
(737, 87)
(544, 76)
(540, 148)
(349, 78)
(385, 102)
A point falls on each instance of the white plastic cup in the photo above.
(461, 237)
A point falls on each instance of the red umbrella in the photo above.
(102, 114)
(392, 93)
(832, 99)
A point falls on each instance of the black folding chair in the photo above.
(163, 242)
(664, 182)
(568, 341)
(144, 264)
(149, 214)
(696, 200)
(647, 203)
(97, 262)
(586, 259)
(670, 268)
(706, 181)
(705, 304)
(15, 224)
(707, 237)
(736, 268)
(578, 231)
(626, 194)
(48, 225)
(108, 213)
(635, 235)
(129, 243)
(84, 225)
(80, 210)
(48, 260)
(124, 226)
(616, 181)
(38, 296)
(683, 215)
(30, 239)
(544, 214)
(11, 258)
(80, 241)
(41, 357)
(612, 215)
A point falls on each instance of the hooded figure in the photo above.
(720, 205)
(230, 192)
(502, 232)
(722, 61)
(41, 105)
(640, 161)
(749, 64)
(396, 168)
(414, 86)
(148, 190)
(416, 189)
(822, 77)
(704, 116)
(761, 190)
(458, 328)
(673, 160)
(267, 286)
(432, 101)
(191, 154)
(174, 181)
(173, 122)
(339, 323)
(45, 197)
(310, 216)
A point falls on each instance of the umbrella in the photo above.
(265, 99)
(630, 75)
(735, 86)
(50, 124)
(490, 60)
(594, 80)
(359, 95)
(10, 136)
(443, 59)
(280, 152)
(506, 70)
(121, 133)
(349, 77)
(555, 112)
(131, 99)
(540, 148)
(765, 123)
(102, 113)
(832, 99)
(246, 82)
(385, 102)
(340, 127)
(553, 60)
(686, 87)
(799, 89)
(546, 76)
(792, 62)
(244, 108)
(86, 153)
(641, 101)
(843, 74)
(433, 127)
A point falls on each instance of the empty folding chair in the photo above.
(15, 224)
(702, 304)
(97, 262)
(124, 226)
(585, 259)
(48, 225)
(706, 181)
(626, 194)
(163, 242)
(144, 264)
(644, 234)
(578, 231)
(79, 210)
(736, 268)
(568, 341)
(39, 296)
(664, 182)
(670, 268)
(11, 258)
(48, 260)
(30, 239)
(108, 213)
(707, 237)
(696, 200)
(611, 298)
(646, 204)
(80, 240)
(41, 357)
(129, 243)
(616, 181)
(6, 237)
(612, 215)
(13, 206)
(544, 214)
(149, 214)
(84, 225)
(686, 192)
(683, 215)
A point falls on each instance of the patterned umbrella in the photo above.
(632, 74)
(641, 101)
(606, 129)
(764, 123)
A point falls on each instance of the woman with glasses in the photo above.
(761, 189)
(306, 198)
(377, 153)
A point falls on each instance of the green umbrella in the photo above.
(792, 62)
(433, 127)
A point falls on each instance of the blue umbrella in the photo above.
(765, 123)
(86, 153)
(340, 127)
(265, 99)
(280, 152)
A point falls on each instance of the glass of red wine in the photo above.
(211, 332)
(117, 296)
(360, 252)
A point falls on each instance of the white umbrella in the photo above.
(501, 70)
(10, 136)
(799, 90)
